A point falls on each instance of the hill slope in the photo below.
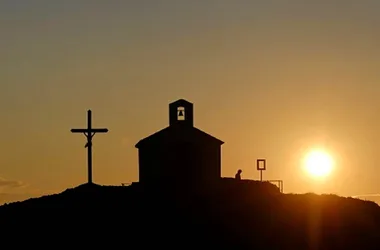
(234, 215)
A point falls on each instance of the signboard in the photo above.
(261, 164)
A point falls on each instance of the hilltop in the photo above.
(234, 215)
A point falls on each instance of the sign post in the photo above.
(261, 166)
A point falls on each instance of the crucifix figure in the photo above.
(89, 132)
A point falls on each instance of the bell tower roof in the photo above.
(181, 112)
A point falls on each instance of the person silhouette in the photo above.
(238, 175)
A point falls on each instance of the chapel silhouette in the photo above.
(180, 154)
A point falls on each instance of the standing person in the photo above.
(238, 175)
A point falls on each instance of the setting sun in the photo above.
(318, 163)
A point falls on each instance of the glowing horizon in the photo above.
(269, 78)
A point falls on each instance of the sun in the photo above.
(318, 163)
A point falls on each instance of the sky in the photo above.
(273, 79)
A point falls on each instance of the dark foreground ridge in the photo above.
(234, 215)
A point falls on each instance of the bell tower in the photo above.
(181, 113)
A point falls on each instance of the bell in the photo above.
(180, 113)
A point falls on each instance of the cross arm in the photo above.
(78, 130)
(92, 130)
(99, 130)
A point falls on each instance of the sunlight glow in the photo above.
(318, 163)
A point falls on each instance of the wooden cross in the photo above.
(89, 132)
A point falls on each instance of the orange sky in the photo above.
(271, 79)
